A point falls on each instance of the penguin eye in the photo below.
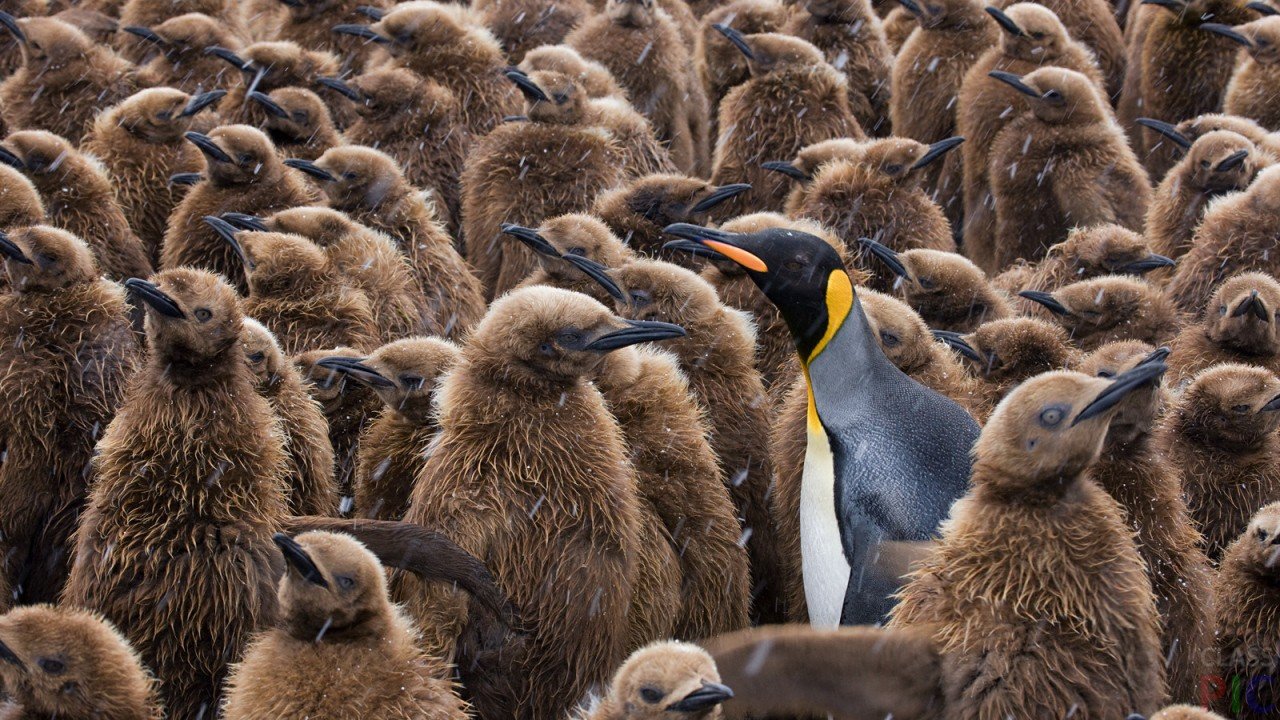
(1262, 534)
(1222, 309)
(245, 158)
(1093, 314)
(257, 357)
(580, 252)
(641, 297)
(889, 339)
(1051, 417)
(411, 382)
(547, 349)
(345, 582)
(300, 117)
(560, 98)
(203, 315)
(350, 176)
(651, 695)
(1204, 164)
(48, 258)
(1106, 374)
(1053, 96)
(1037, 35)
(925, 283)
(569, 338)
(1240, 409)
(893, 169)
(52, 666)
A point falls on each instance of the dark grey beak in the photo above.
(1232, 161)
(8, 158)
(530, 237)
(1272, 406)
(182, 179)
(787, 169)
(1252, 305)
(299, 560)
(937, 150)
(154, 297)
(721, 194)
(10, 23)
(341, 88)
(311, 169)
(527, 86)
(738, 39)
(358, 371)
(1049, 302)
(1173, 5)
(1155, 356)
(1228, 32)
(1262, 8)
(1166, 130)
(1015, 82)
(371, 12)
(227, 232)
(145, 33)
(597, 272)
(8, 655)
(886, 256)
(912, 7)
(362, 31)
(1146, 265)
(246, 222)
(1005, 22)
(704, 698)
(271, 106)
(689, 231)
(201, 101)
(1123, 384)
(207, 146)
(230, 56)
(957, 342)
(11, 250)
(636, 332)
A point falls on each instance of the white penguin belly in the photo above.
(826, 571)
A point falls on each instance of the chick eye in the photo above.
(651, 695)
(1204, 164)
(48, 258)
(1037, 35)
(1222, 309)
(300, 117)
(569, 338)
(925, 283)
(580, 252)
(52, 666)
(411, 382)
(256, 357)
(560, 98)
(547, 349)
(641, 297)
(1091, 313)
(893, 169)
(1240, 409)
(1262, 534)
(889, 339)
(1106, 374)
(1053, 95)
(345, 582)
(203, 314)
(350, 176)
(1052, 417)
(245, 158)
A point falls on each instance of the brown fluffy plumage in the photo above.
(721, 66)
(20, 205)
(1255, 74)
(1008, 351)
(298, 122)
(594, 77)
(348, 409)
(850, 36)
(583, 236)
(638, 211)
(310, 25)
(182, 63)
(1248, 608)
(147, 13)
(1237, 326)
(1113, 307)
(948, 291)
(269, 66)
(664, 681)
(1091, 23)
(522, 25)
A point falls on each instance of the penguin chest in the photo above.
(826, 570)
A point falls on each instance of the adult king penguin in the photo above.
(886, 456)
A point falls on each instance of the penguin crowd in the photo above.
(639, 359)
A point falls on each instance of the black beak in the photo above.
(10, 23)
(311, 169)
(271, 106)
(1232, 161)
(246, 222)
(207, 146)
(201, 101)
(299, 560)
(787, 169)
(1155, 356)
(530, 237)
(362, 31)
(9, 656)
(155, 297)
(886, 256)
(230, 56)
(1272, 406)
(527, 86)
(738, 39)
(957, 342)
(1228, 32)
(182, 179)
(937, 150)
(637, 331)
(8, 158)
(704, 698)
(341, 88)
(227, 232)
(1015, 82)
(358, 371)
(145, 33)
(1252, 305)
(1005, 22)
(371, 12)
(1146, 265)
(293, 3)
(719, 195)
(1262, 8)
(597, 272)
(693, 248)
(1048, 301)
(1166, 130)
(1174, 5)
(10, 250)
(1123, 384)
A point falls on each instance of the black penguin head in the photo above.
(800, 274)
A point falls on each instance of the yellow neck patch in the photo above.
(839, 305)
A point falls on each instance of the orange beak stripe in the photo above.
(738, 255)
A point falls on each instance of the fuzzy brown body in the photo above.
(1247, 635)
(775, 350)
(1014, 349)
(311, 26)
(638, 211)
(1091, 23)
(390, 457)
(1247, 94)
(308, 316)
(949, 292)
(1111, 308)
(850, 36)
(286, 64)
(720, 66)
(1225, 334)
(348, 410)
(788, 442)
(308, 132)
(149, 13)
(523, 25)
(185, 66)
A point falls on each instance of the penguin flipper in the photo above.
(868, 595)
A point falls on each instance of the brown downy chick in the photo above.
(348, 409)
(60, 662)
(67, 354)
(1087, 643)
(1257, 70)
(720, 65)
(140, 144)
(1062, 164)
(309, 23)
(1149, 489)
(638, 211)
(1185, 712)
(1032, 37)
(594, 77)
(850, 36)
(309, 476)
(78, 197)
(577, 235)
(148, 13)
(524, 374)
(792, 99)
(946, 289)
(244, 174)
(1193, 128)
(298, 122)
(10, 47)
(1109, 308)
(65, 78)
(525, 172)
(390, 99)
(154, 557)
(642, 47)
(434, 41)
(1222, 434)
(183, 63)
(393, 448)
(369, 186)
(664, 681)
(1246, 629)
(807, 163)
(1239, 233)
(1003, 353)
(269, 66)
(1090, 23)
(20, 204)
(366, 258)
(340, 648)
(1087, 253)
(1237, 326)
(522, 25)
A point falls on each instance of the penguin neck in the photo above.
(843, 370)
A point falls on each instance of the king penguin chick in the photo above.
(1091, 24)
(78, 198)
(1238, 326)
(48, 649)
(720, 65)
(523, 373)
(1255, 71)
(67, 353)
(1032, 37)
(298, 122)
(664, 681)
(65, 78)
(523, 173)
(850, 36)
(341, 649)
(1149, 490)
(1003, 353)
(20, 204)
(637, 211)
(310, 24)
(946, 289)
(792, 99)
(522, 25)
(594, 77)
(10, 47)
(154, 557)
(1062, 164)
(1217, 163)
(140, 144)
(575, 235)
(1087, 253)
(369, 186)
(1087, 644)
(183, 63)
(244, 174)
(269, 66)
(1194, 127)
(309, 475)
(146, 13)
(348, 409)
(1246, 630)
(1222, 435)
(1110, 308)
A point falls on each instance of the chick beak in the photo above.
(597, 272)
(1156, 356)
(704, 698)
(738, 39)
(293, 3)
(1262, 8)
(227, 232)
(11, 250)
(912, 7)
(357, 370)
(9, 158)
(8, 655)
(201, 101)
(635, 332)
(145, 33)
(1166, 130)
(1173, 5)
(1005, 22)
(722, 194)
(1272, 405)
(527, 86)
(937, 150)
(155, 298)
(371, 12)
(244, 221)
(957, 342)
(886, 256)
(11, 24)
(1252, 305)
(1146, 265)
(208, 146)
(1015, 82)
(1047, 300)
(1121, 385)
(271, 106)
(1228, 32)
(231, 57)
(720, 241)
(787, 169)
(530, 237)
(183, 179)
(311, 169)
(362, 31)
(1232, 161)
(341, 88)
(299, 560)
